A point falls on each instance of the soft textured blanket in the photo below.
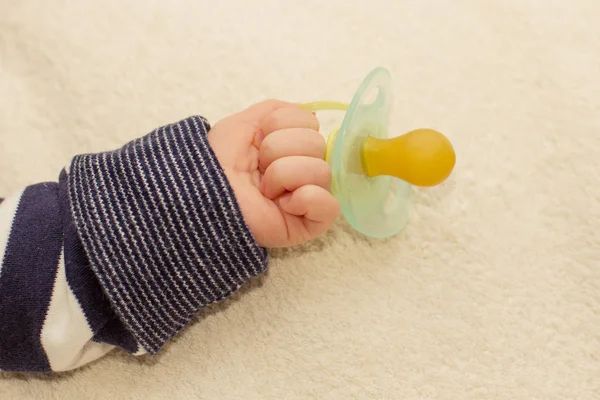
(493, 289)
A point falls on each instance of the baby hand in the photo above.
(273, 156)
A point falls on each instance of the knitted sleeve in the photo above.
(121, 251)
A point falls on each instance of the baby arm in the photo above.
(128, 245)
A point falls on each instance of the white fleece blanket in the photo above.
(493, 289)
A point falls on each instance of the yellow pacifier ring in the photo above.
(327, 106)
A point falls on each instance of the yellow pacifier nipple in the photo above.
(422, 157)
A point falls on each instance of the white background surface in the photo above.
(493, 290)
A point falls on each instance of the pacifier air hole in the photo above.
(370, 97)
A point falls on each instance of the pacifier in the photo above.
(372, 173)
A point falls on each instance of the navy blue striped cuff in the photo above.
(162, 228)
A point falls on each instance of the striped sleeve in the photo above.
(120, 252)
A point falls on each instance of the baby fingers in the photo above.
(290, 173)
(316, 207)
(285, 118)
(291, 142)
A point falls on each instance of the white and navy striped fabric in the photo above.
(121, 251)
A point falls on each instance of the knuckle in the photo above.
(270, 103)
(272, 121)
(266, 146)
(277, 168)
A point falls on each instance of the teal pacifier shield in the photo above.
(377, 207)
